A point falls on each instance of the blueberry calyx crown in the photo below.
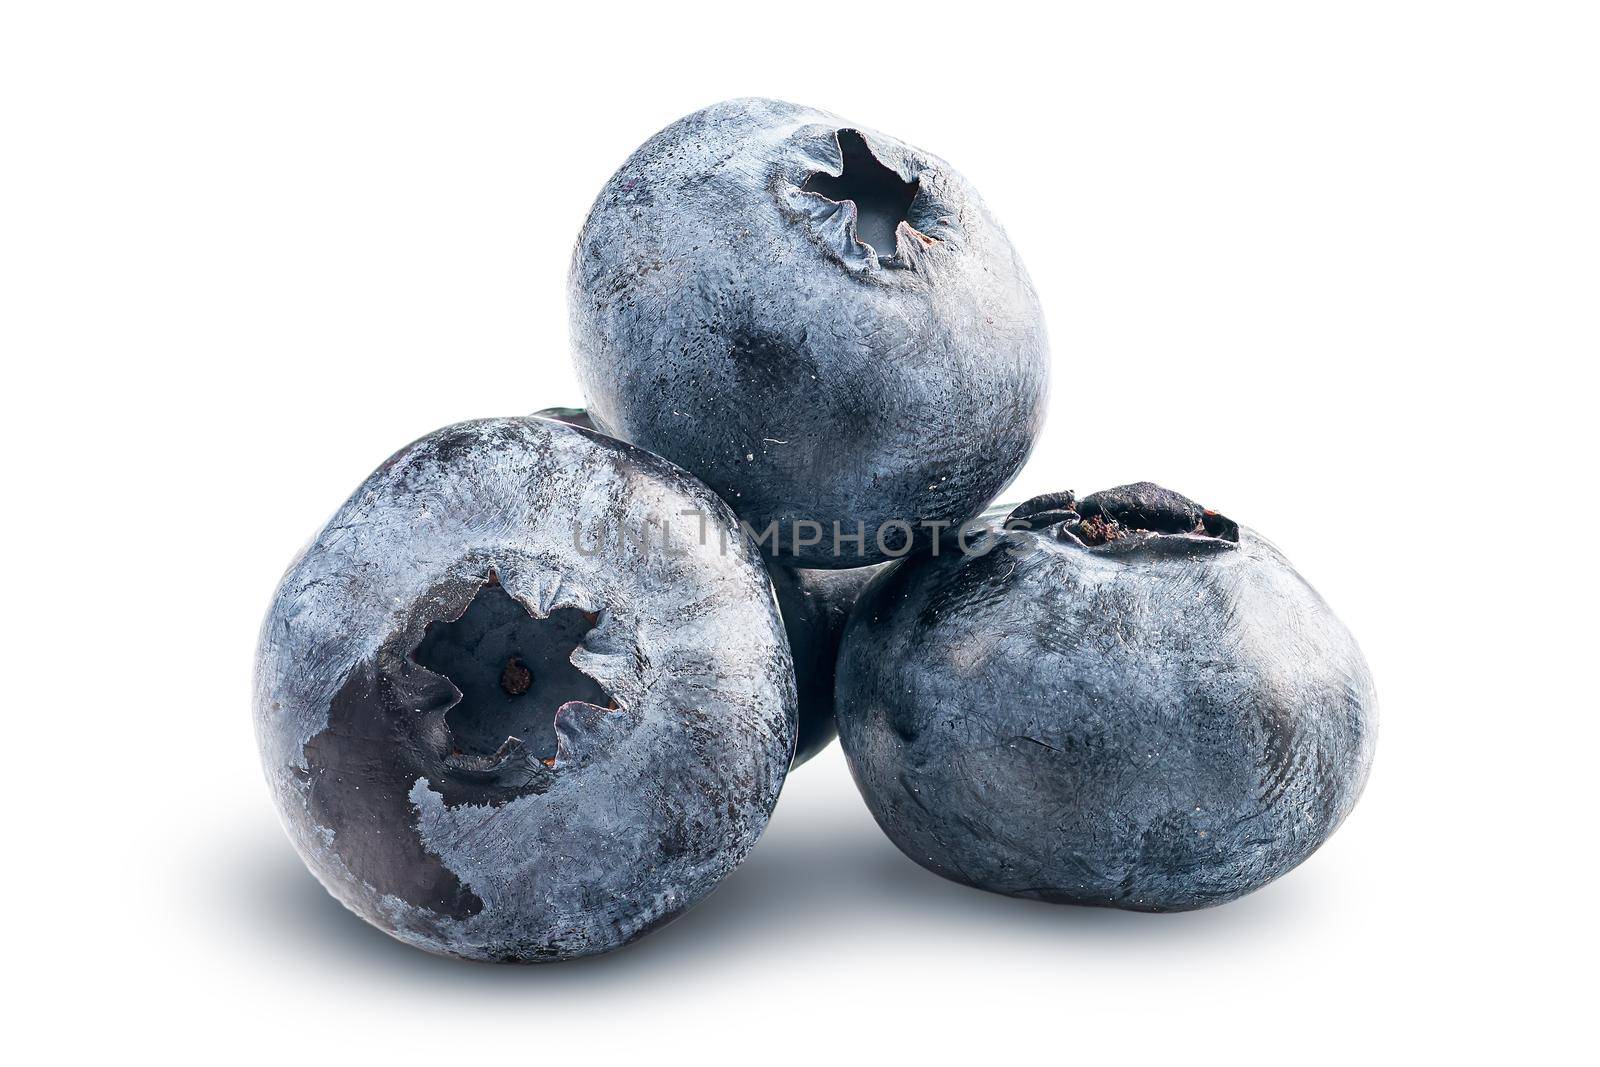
(882, 197)
(1112, 515)
(868, 216)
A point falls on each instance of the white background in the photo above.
(1331, 269)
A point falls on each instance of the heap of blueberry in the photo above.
(534, 689)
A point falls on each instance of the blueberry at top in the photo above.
(822, 323)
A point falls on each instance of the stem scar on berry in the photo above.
(882, 198)
(513, 671)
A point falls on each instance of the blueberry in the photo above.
(822, 323)
(511, 708)
(1135, 703)
(815, 605)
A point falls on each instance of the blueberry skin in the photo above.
(815, 605)
(641, 809)
(740, 324)
(1161, 721)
